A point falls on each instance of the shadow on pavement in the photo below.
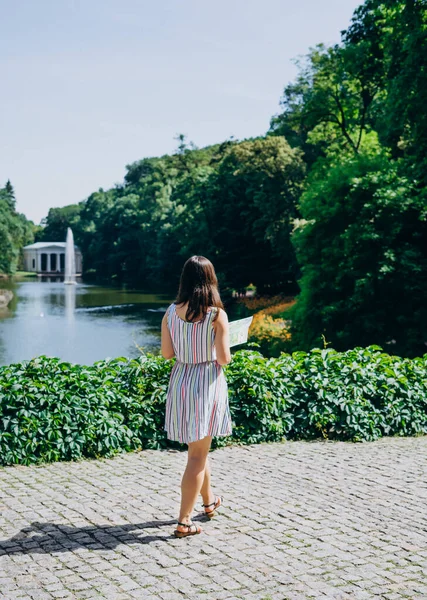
(48, 537)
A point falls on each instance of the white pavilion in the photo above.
(48, 258)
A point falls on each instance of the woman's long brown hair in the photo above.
(199, 287)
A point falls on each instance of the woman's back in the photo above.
(193, 341)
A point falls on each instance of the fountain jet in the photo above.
(70, 259)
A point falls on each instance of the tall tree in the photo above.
(328, 106)
(9, 193)
(15, 231)
(57, 221)
(394, 35)
(248, 202)
(362, 248)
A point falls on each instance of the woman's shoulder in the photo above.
(221, 318)
(220, 310)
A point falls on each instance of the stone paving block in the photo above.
(328, 520)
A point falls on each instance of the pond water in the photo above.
(79, 323)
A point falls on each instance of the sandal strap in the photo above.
(214, 503)
(189, 526)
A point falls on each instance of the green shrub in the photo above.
(260, 398)
(52, 410)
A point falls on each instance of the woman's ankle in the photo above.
(186, 519)
(209, 499)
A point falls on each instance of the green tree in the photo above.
(327, 108)
(394, 36)
(358, 111)
(237, 209)
(361, 245)
(15, 231)
(8, 194)
(57, 221)
(9, 252)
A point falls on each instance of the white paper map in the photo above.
(239, 331)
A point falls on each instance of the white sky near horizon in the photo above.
(89, 86)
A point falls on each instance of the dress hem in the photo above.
(198, 439)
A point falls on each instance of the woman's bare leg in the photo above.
(206, 490)
(193, 478)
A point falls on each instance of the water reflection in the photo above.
(79, 323)
(70, 303)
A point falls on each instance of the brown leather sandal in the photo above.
(180, 534)
(211, 513)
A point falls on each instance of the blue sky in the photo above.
(89, 86)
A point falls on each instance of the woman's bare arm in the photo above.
(222, 340)
(167, 346)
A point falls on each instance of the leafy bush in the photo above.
(52, 410)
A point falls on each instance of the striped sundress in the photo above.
(197, 397)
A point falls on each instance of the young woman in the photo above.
(195, 330)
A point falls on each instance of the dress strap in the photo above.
(169, 309)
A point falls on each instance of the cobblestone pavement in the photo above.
(300, 520)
